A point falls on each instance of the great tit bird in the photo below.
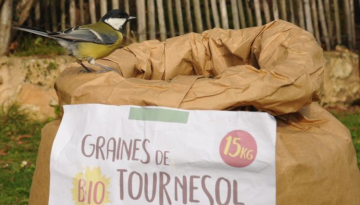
(92, 41)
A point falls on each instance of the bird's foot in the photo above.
(87, 70)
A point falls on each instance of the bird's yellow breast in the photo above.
(87, 51)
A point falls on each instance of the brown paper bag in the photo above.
(277, 68)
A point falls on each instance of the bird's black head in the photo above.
(116, 19)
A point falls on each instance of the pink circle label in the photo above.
(238, 148)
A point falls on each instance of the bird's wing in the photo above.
(85, 34)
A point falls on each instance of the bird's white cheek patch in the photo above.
(116, 23)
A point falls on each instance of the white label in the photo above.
(153, 155)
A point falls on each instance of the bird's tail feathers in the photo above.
(34, 31)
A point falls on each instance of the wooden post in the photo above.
(258, 13)
(337, 22)
(141, 19)
(348, 23)
(352, 15)
(151, 17)
(329, 22)
(292, 13)
(103, 7)
(266, 11)
(115, 4)
(224, 15)
(249, 14)
(309, 26)
(215, 13)
(315, 21)
(127, 10)
(188, 15)
(72, 12)
(81, 8)
(283, 9)
(5, 25)
(235, 14)
(198, 18)
(275, 9)
(323, 25)
(171, 18)
(46, 13)
(161, 17)
(92, 11)
(242, 15)
(23, 9)
(53, 15)
(207, 14)
(179, 17)
(38, 14)
(301, 14)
